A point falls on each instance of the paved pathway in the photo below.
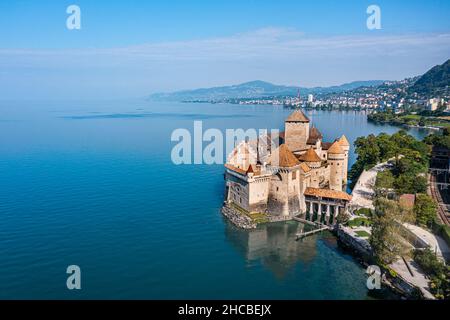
(434, 242)
(418, 279)
(363, 192)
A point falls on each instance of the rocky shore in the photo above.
(237, 218)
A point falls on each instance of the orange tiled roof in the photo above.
(235, 169)
(285, 159)
(343, 141)
(251, 169)
(305, 167)
(297, 116)
(336, 148)
(310, 156)
(328, 193)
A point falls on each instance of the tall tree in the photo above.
(425, 210)
(386, 242)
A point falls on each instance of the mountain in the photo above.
(254, 89)
(434, 83)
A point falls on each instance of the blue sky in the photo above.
(133, 48)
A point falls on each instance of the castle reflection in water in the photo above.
(274, 245)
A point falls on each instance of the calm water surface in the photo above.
(92, 184)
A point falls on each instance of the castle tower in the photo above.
(336, 159)
(284, 187)
(346, 147)
(314, 162)
(296, 131)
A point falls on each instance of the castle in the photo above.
(301, 176)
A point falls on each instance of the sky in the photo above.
(129, 49)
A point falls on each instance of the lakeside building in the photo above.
(299, 174)
(433, 104)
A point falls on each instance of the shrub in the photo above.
(443, 231)
(364, 212)
(437, 271)
(357, 222)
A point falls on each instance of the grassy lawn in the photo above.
(411, 117)
(429, 121)
(443, 124)
(364, 212)
(357, 222)
(362, 234)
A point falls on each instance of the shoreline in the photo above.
(409, 126)
(394, 286)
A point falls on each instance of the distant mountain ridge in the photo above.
(255, 89)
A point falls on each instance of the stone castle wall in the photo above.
(296, 135)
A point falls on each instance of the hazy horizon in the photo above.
(124, 52)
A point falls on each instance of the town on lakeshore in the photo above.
(421, 101)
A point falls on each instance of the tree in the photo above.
(385, 240)
(422, 122)
(411, 159)
(439, 140)
(388, 148)
(425, 210)
(368, 150)
(384, 183)
(446, 132)
(385, 179)
(436, 270)
(409, 183)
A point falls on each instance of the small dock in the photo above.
(320, 227)
(302, 235)
(305, 221)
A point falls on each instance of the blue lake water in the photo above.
(92, 184)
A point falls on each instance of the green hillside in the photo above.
(435, 82)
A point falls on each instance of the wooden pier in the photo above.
(320, 227)
(302, 235)
(305, 221)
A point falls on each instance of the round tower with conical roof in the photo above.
(346, 147)
(314, 163)
(336, 159)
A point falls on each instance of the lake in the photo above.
(93, 184)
